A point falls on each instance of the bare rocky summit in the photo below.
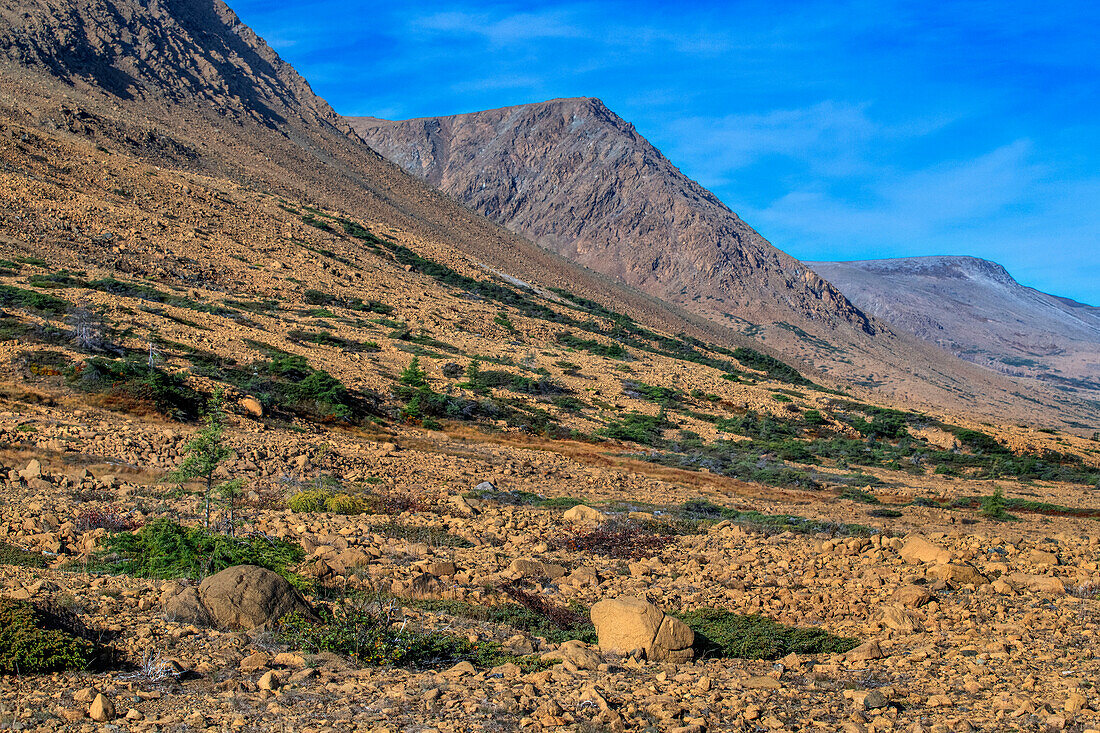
(574, 177)
(976, 310)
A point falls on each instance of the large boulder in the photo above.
(629, 623)
(581, 513)
(918, 550)
(958, 573)
(241, 598)
(523, 567)
(1038, 583)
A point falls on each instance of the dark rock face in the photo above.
(577, 179)
(178, 49)
(975, 309)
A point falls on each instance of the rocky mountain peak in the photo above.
(576, 178)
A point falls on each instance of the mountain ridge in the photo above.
(977, 310)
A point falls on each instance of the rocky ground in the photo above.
(991, 626)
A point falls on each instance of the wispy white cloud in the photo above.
(507, 30)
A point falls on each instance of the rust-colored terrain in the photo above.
(182, 218)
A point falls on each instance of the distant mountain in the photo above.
(976, 310)
(574, 177)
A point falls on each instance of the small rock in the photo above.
(102, 709)
(270, 681)
(912, 596)
(874, 700)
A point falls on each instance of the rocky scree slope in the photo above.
(187, 85)
(976, 309)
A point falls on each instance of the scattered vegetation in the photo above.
(621, 539)
(771, 366)
(720, 633)
(12, 555)
(637, 427)
(13, 297)
(164, 548)
(34, 639)
(572, 341)
(704, 510)
(374, 639)
(134, 386)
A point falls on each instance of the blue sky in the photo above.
(839, 130)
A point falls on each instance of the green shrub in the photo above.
(637, 428)
(705, 510)
(996, 507)
(166, 549)
(720, 633)
(35, 640)
(287, 383)
(134, 386)
(375, 641)
(612, 350)
(311, 500)
(653, 393)
(771, 366)
(12, 555)
(11, 297)
(140, 291)
(345, 504)
(859, 496)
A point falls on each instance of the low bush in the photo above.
(859, 496)
(166, 549)
(519, 497)
(373, 639)
(616, 539)
(720, 633)
(12, 555)
(345, 504)
(110, 518)
(428, 534)
(12, 297)
(637, 427)
(612, 350)
(771, 366)
(995, 507)
(287, 383)
(310, 500)
(536, 615)
(134, 386)
(704, 510)
(34, 639)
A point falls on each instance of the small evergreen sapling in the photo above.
(204, 453)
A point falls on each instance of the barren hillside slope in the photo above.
(576, 178)
(977, 311)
